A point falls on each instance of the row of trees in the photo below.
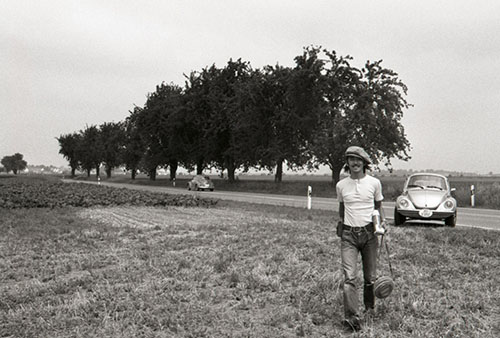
(14, 163)
(237, 117)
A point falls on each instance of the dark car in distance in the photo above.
(201, 182)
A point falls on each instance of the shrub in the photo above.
(488, 195)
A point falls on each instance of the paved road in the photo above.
(467, 217)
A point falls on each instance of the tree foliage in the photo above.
(69, 145)
(134, 147)
(224, 100)
(157, 124)
(237, 117)
(90, 150)
(113, 144)
(14, 163)
(363, 107)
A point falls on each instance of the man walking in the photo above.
(359, 196)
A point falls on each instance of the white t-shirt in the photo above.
(358, 196)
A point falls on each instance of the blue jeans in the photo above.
(353, 243)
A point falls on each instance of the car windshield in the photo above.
(427, 181)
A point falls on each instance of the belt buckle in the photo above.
(357, 229)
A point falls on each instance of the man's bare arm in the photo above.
(378, 206)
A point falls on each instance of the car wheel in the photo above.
(189, 186)
(212, 189)
(451, 221)
(398, 218)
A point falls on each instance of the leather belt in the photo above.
(366, 228)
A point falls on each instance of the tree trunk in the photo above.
(230, 175)
(336, 170)
(88, 172)
(231, 168)
(97, 170)
(73, 172)
(152, 174)
(278, 177)
(133, 173)
(173, 169)
(199, 166)
(108, 171)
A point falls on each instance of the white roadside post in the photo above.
(309, 197)
(472, 198)
(98, 180)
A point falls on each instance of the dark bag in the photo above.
(340, 228)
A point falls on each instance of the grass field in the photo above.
(229, 270)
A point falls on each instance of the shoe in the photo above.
(352, 324)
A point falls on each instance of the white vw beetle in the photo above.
(426, 198)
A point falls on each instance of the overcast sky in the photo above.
(67, 64)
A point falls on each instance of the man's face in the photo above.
(355, 164)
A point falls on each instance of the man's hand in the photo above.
(384, 225)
